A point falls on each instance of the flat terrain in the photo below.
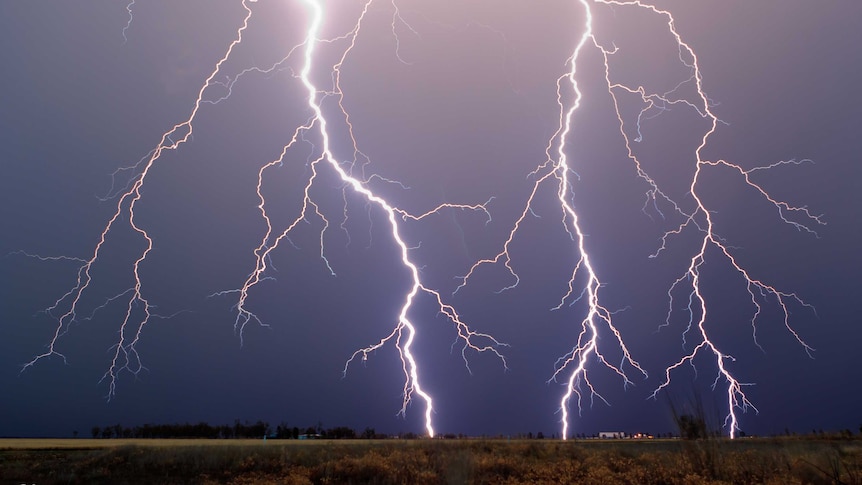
(426, 461)
(68, 443)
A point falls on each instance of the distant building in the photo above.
(611, 435)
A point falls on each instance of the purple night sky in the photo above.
(449, 103)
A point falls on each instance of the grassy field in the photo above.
(770, 461)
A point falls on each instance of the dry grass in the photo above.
(709, 462)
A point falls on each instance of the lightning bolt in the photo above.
(138, 313)
(556, 171)
(556, 174)
(405, 331)
(128, 22)
(138, 308)
(697, 217)
(573, 367)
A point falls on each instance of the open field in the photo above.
(717, 461)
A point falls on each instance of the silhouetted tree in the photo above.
(339, 433)
(691, 427)
(282, 431)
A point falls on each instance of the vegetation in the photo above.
(238, 430)
(437, 461)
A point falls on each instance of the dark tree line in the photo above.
(259, 429)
